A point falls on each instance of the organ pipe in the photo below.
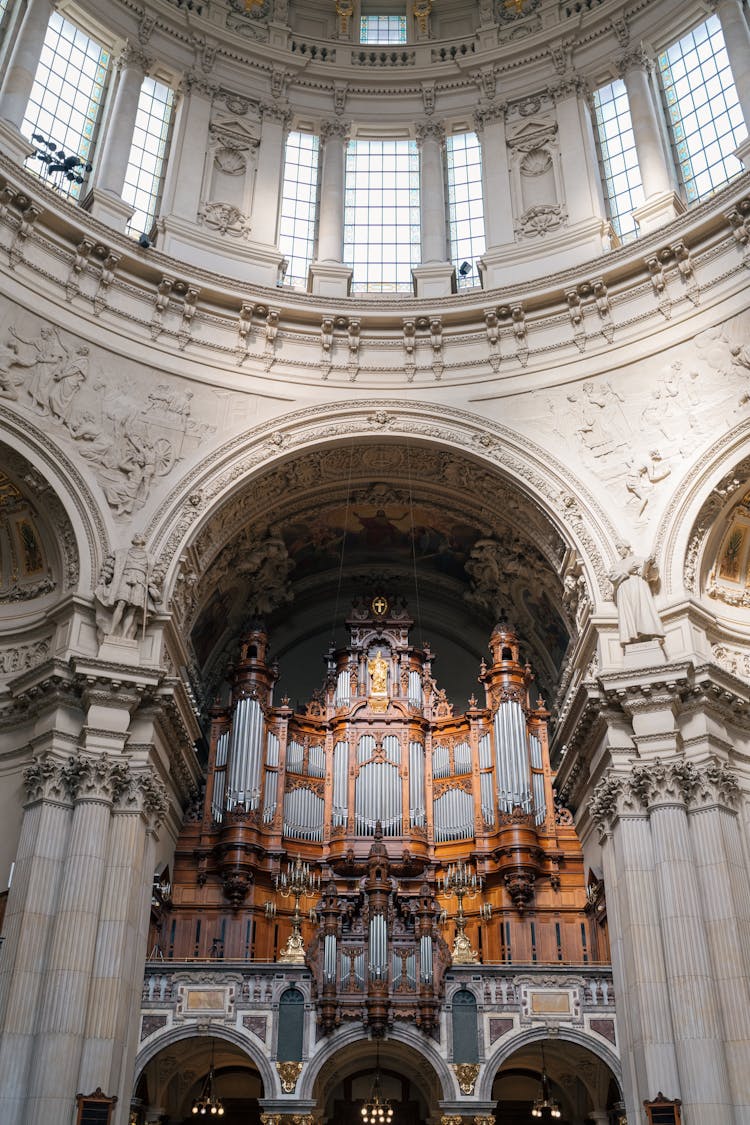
(220, 777)
(340, 783)
(417, 812)
(245, 755)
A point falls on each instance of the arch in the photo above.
(220, 478)
(405, 1048)
(290, 1024)
(465, 1026)
(53, 473)
(506, 1049)
(271, 1086)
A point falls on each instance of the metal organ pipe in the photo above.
(329, 958)
(462, 758)
(511, 754)
(340, 784)
(378, 948)
(417, 809)
(295, 757)
(220, 779)
(537, 779)
(303, 814)
(245, 755)
(425, 958)
(415, 689)
(343, 689)
(453, 815)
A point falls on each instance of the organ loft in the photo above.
(376, 835)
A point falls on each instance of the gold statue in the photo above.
(377, 666)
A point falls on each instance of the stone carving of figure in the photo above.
(66, 382)
(127, 587)
(631, 578)
(45, 356)
(268, 566)
(378, 669)
(8, 357)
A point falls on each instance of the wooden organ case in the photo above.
(382, 789)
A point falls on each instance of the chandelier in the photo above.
(377, 1110)
(209, 1101)
(545, 1099)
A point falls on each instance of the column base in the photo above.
(255, 263)
(330, 279)
(531, 257)
(108, 208)
(435, 279)
(12, 144)
(120, 650)
(742, 152)
(658, 210)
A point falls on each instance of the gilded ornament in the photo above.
(289, 1072)
(467, 1074)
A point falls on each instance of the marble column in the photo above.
(115, 991)
(106, 195)
(19, 77)
(731, 14)
(435, 275)
(65, 986)
(661, 204)
(29, 921)
(698, 1034)
(725, 897)
(330, 277)
(638, 956)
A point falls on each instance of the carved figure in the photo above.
(268, 565)
(127, 587)
(47, 355)
(631, 579)
(8, 358)
(378, 670)
(66, 382)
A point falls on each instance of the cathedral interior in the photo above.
(375, 562)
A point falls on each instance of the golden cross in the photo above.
(379, 605)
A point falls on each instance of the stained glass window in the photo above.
(382, 29)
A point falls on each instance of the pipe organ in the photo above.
(383, 786)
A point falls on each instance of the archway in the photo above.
(187, 1070)
(557, 1076)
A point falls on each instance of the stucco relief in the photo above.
(133, 430)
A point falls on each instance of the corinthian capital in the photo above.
(44, 780)
(133, 55)
(429, 131)
(637, 58)
(338, 129)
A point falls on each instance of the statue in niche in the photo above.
(631, 580)
(377, 668)
(127, 587)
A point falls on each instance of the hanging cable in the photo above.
(417, 605)
(334, 622)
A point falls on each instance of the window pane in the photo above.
(148, 152)
(618, 159)
(465, 205)
(299, 204)
(66, 97)
(382, 29)
(702, 109)
(382, 263)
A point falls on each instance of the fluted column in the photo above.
(698, 1034)
(19, 77)
(731, 15)
(330, 277)
(107, 203)
(661, 204)
(115, 991)
(435, 275)
(62, 1014)
(638, 955)
(29, 920)
(725, 898)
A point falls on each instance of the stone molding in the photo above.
(85, 778)
(339, 129)
(637, 58)
(650, 785)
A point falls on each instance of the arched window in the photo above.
(465, 1042)
(291, 1017)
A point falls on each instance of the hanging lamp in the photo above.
(377, 1110)
(545, 1099)
(209, 1102)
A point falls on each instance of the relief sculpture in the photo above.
(130, 442)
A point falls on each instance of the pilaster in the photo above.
(435, 275)
(19, 77)
(330, 277)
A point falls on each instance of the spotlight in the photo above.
(144, 242)
(464, 268)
